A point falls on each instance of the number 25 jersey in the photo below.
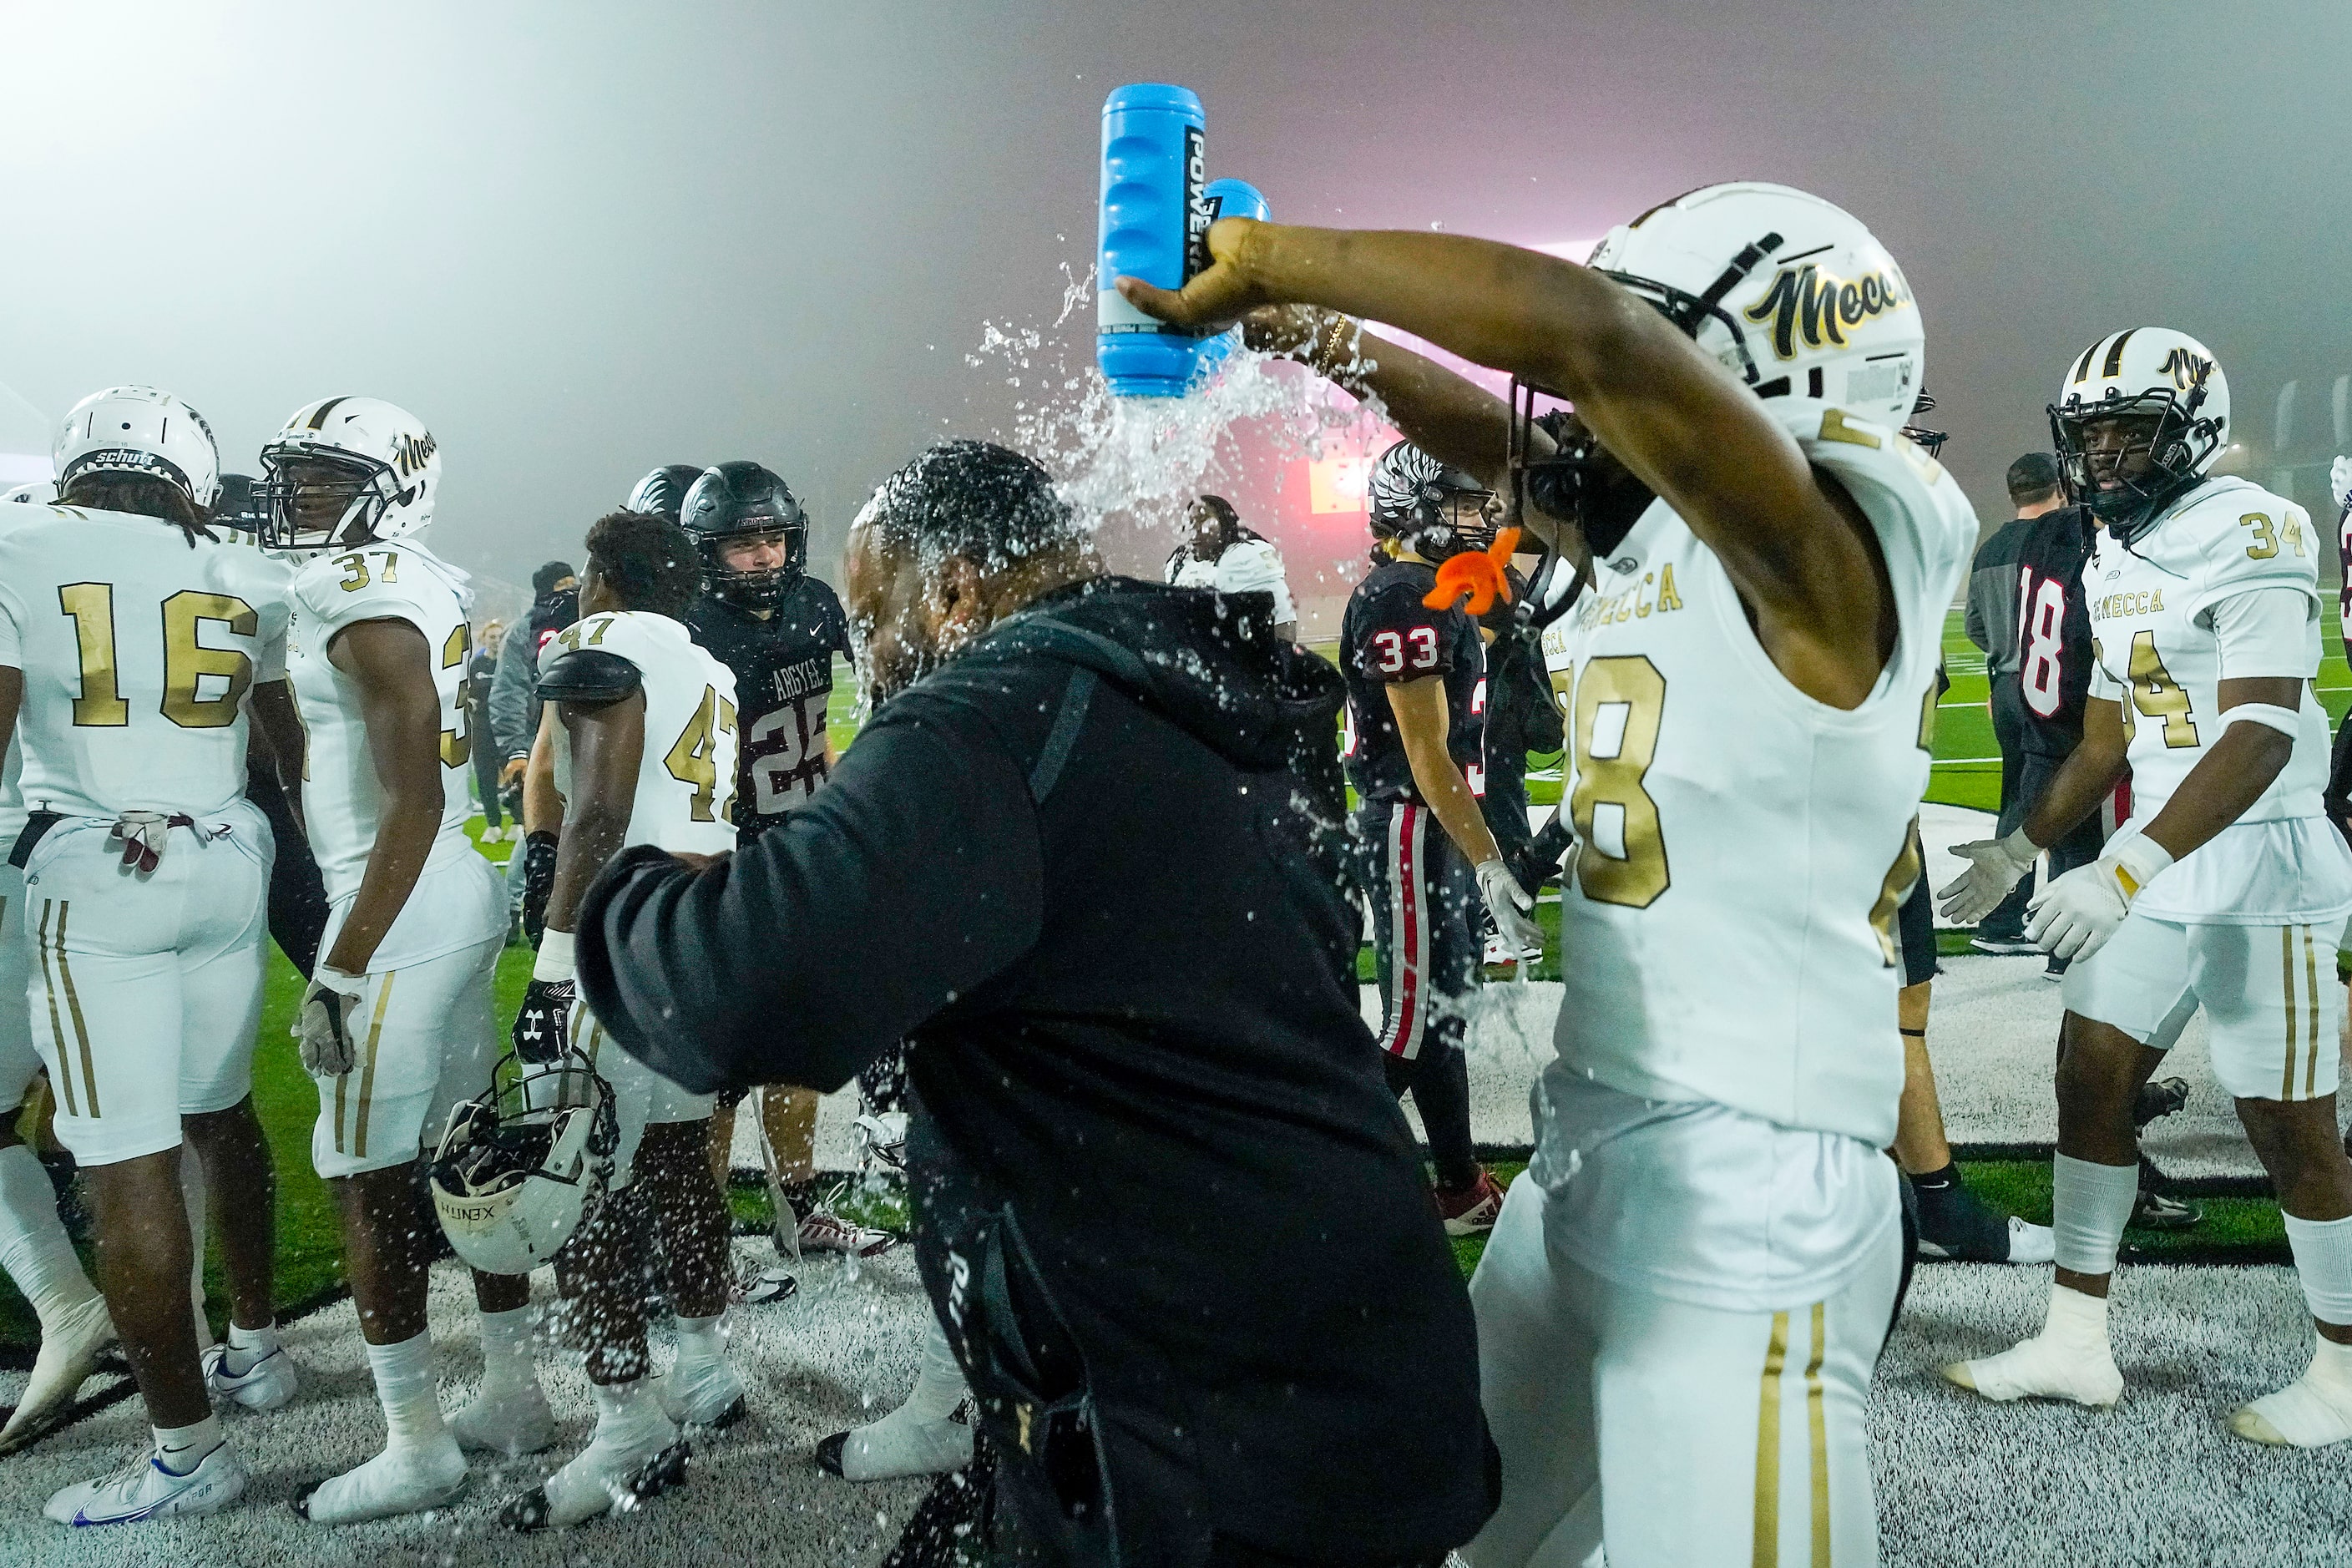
(1727, 922)
(686, 779)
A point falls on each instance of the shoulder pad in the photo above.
(589, 675)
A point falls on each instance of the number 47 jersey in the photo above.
(1727, 924)
(686, 780)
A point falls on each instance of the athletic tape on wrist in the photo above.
(554, 960)
(2323, 1261)
(2090, 1206)
(2287, 721)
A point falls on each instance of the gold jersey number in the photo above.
(2154, 694)
(186, 661)
(693, 757)
(1619, 703)
(457, 739)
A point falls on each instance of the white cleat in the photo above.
(512, 1424)
(2043, 1368)
(712, 1397)
(2303, 1414)
(408, 1480)
(269, 1383)
(70, 1351)
(2031, 1243)
(144, 1489)
(605, 1476)
(897, 1445)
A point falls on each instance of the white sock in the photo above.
(2090, 1205)
(34, 1249)
(404, 1386)
(627, 1413)
(2076, 1318)
(182, 1449)
(249, 1347)
(701, 1344)
(2323, 1261)
(509, 1364)
(938, 1387)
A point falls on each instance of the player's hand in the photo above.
(1219, 294)
(324, 1023)
(2074, 915)
(1295, 331)
(543, 1028)
(512, 772)
(1510, 905)
(1995, 866)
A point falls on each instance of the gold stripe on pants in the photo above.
(2286, 980)
(56, 1029)
(1766, 1548)
(1818, 1416)
(2311, 989)
(367, 1068)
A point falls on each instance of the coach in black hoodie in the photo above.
(1166, 1206)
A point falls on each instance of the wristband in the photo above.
(334, 979)
(2287, 721)
(2136, 863)
(2017, 847)
(554, 960)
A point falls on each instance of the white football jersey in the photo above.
(138, 649)
(1727, 921)
(343, 804)
(685, 781)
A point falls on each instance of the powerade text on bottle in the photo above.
(1155, 224)
(1228, 198)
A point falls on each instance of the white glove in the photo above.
(144, 835)
(2077, 913)
(1509, 903)
(324, 1023)
(1995, 865)
(2340, 480)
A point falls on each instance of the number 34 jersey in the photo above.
(2158, 653)
(686, 780)
(137, 650)
(1728, 922)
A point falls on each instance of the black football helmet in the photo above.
(1929, 441)
(663, 491)
(743, 500)
(1412, 497)
(236, 507)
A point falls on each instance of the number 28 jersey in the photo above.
(686, 779)
(137, 650)
(1728, 918)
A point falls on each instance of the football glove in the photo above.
(543, 1028)
(2075, 914)
(144, 835)
(1995, 866)
(324, 1024)
(538, 882)
(1509, 904)
(1536, 863)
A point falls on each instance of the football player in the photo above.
(777, 628)
(1681, 1303)
(132, 641)
(396, 1026)
(644, 753)
(2227, 889)
(1414, 752)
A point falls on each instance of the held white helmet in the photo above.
(2141, 417)
(521, 1165)
(1789, 291)
(346, 471)
(138, 430)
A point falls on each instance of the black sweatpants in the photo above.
(1425, 947)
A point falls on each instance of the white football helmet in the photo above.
(521, 1165)
(138, 430)
(40, 492)
(2165, 396)
(1790, 291)
(345, 471)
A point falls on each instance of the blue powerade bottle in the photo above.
(1228, 198)
(1155, 224)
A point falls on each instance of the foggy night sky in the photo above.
(582, 239)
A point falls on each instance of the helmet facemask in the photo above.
(762, 588)
(312, 498)
(2126, 458)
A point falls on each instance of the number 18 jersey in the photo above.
(686, 780)
(1727, 921)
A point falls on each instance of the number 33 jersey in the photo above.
(2169, 623)
(686, 779)
(1728, 920)
(1389, 636)
(137, 650)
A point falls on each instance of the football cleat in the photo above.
(768, 1287)
(68, 1354)
(408, 1480)
(2002, 945)
(2046, 1368)
(823, 1232)
(898, 1445)
(710, 1396)
(144, 1489)
(1471, 1212)
(1954, 1225)
(269, 1383)
(602, 1478)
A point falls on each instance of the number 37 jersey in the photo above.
(137, 650)
(686, 780)
(1727, 924)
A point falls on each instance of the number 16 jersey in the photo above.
(1727, 922)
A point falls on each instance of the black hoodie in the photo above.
(1077, 868)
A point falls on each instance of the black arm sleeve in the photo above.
(913, 876)
(2337, 800)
